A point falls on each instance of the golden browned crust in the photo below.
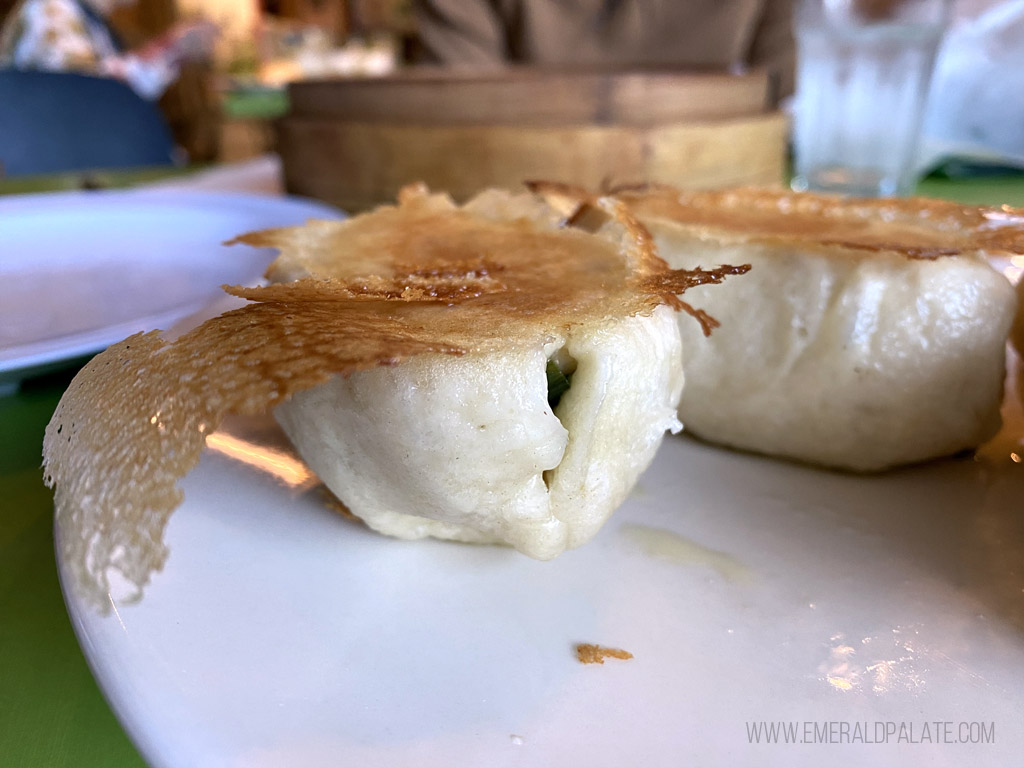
(596, 654)
(919, 228)
(421, 277)
(578, 207)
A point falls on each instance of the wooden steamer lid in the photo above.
(354, 143)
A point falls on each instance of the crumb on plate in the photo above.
(587, 653)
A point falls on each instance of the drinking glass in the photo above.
(863, 70)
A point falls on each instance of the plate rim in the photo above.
(21, 361)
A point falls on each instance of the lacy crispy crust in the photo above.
(918, 228)
(422, 277)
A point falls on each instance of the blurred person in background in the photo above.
(720, 34)
(75, 36)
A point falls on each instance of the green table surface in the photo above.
(51, 710)
(255, 103)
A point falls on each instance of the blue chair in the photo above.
(52, 122)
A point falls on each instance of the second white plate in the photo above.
(79, 271)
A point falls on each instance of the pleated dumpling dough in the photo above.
(868, 334)
(468, 448)
(405, 351)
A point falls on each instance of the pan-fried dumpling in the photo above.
(868, 334)
(473, 448)
(482, 373)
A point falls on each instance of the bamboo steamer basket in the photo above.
(355, 143)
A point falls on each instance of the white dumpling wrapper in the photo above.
(467, 448)
(853, 362)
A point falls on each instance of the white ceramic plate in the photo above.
(750, 591)
(79, 271)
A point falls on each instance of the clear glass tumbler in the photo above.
(863, 70)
